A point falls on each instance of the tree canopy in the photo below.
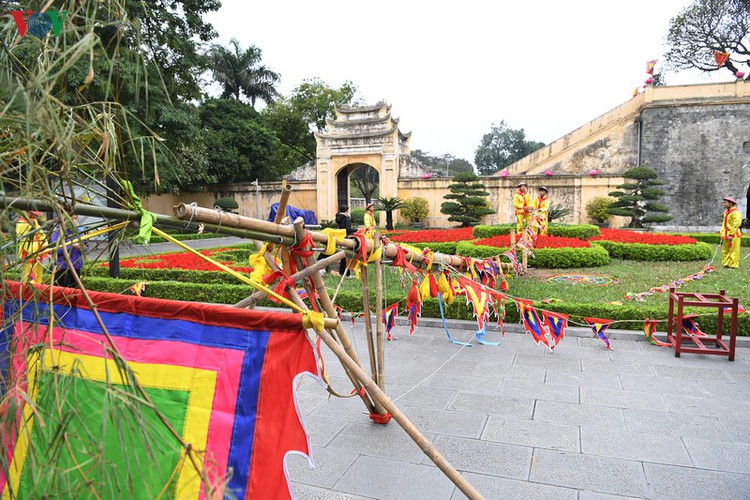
(501, 147)
(445, 165)
(709, 26)
(316, 101)
(241, 73)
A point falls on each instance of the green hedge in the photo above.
(181, 275)
(580, 231)
(548, 258)
(447, 247)
(651, 253)
(713, 238)
(352, 301)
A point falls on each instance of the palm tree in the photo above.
(388, 205)
(240, 72)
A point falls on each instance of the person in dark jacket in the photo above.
(63, 276)
(344, 221)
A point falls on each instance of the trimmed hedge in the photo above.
(580, 231)
(651, 253)
(548, 258)
(181, 275)
(713, 238)
(352, 302)
(447, 247)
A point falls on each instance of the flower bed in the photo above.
(624, 236)
(180, 260)
(432, 235)
(503, 241)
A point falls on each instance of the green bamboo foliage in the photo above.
(53, 142)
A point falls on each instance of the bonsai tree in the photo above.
(471, 200)
(597, 208)
(388, 205)
(638, 197)
(415, 209)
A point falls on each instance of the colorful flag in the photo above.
(649, 328)
(720, 58)
(555, 323)
(389, 319)
(222, 376)
(599, 326)
(138, 288)
(650, 66)
(531, 322)
(513, 257)
(498, 303)
(413, 306)
(691, 326)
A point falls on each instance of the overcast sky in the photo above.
(451, 69)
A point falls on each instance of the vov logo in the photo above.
(39, 23)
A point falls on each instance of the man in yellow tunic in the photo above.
(730, 234)
(369, 220)
(541, 212)
(29, 246)
(523, 207)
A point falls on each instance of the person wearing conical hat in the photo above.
(541, 212)
(730, 234)
(369, 220)
(30, 241)
(523, 207)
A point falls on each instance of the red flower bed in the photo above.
(623, 236)
(433, 235)
(503, 241)
(182, 260)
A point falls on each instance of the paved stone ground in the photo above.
(521, 422)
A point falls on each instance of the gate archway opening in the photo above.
(357, 185)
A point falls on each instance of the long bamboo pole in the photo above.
(379, 337)
(368, 325)
(256, 297)
(325, 301)
(383, 400)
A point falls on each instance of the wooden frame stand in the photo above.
(710, 344)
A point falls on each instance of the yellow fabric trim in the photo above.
(333, 235)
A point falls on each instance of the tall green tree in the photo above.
(241, 73)
(367, 181)
(442, 165)
(501, 147)
(470, 203)
(638, 197)
(317, 101)
(707, 26)
(388, 205)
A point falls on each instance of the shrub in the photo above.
(643, 252)
(712, 238)
(548, 258)
(446, 247)
(358, 216)
(580, 231)
(597, 207)
(415, 209)
(181, 275)
(226, 204)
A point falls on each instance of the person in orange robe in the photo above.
(731, 236)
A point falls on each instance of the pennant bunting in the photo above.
(720, 57)
(498, 303)
(690, 326)
(599, 326)
(531, 322)
(138, 288)
(389, 319)
(555, 323)
(649, 328)
(222, 376)
(650, 66)
(413, 306)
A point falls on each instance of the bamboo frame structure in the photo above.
(379, 339)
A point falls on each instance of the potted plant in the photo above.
(415, 209)
(597, 210)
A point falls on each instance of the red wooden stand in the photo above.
(676, 334)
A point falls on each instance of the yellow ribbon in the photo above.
(260, 266)
(445, 288)
(333, 235)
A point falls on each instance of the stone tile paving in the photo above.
(520, 422)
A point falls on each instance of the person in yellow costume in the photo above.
(29, 246)
(523, 207)
(541, 212)
(730, 234)
(369, 220)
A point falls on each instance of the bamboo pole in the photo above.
(249, 302)
(524, 253)
(379, 339)
(368, 325)
(286, 190)
(383, 400)
(325, 301)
